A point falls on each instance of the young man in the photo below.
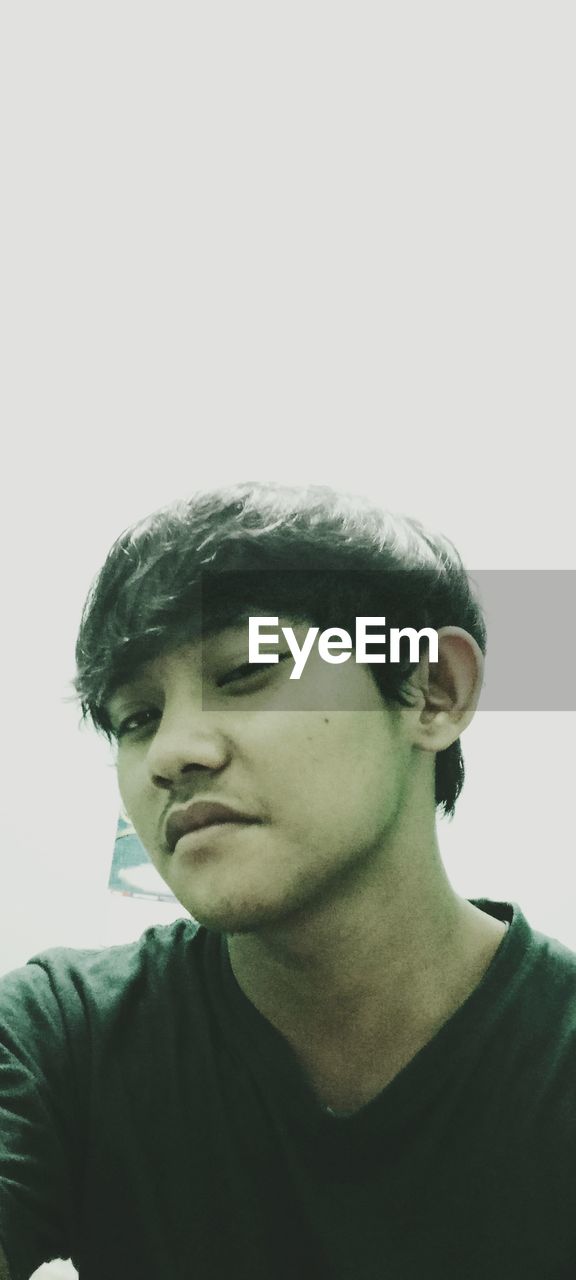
(338, 1067)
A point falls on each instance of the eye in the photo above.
(133, 723)
(247, 671)
(250, 671)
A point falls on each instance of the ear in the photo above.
(447, 691)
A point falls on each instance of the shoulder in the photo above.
(65, 984)
(528, 995)
(550, 992)
(530, 951)
(553, 963)
(536, 1022)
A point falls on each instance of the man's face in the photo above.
(323, 786)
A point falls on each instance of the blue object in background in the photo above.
(132, 873)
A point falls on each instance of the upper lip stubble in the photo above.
(201, 813)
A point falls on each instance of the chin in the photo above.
(240, 916)
(235, 920)
(247, 903)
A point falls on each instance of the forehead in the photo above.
(191, 647)
(321, 686)
(211, 642)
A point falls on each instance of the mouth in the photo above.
(200, 816)
(207, 836)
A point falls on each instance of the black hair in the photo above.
(191, 567)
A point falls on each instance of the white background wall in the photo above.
(329, 244)
(313, 242)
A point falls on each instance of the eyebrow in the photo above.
(127, 685)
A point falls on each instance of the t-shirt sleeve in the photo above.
(40, 1116)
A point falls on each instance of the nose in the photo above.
(187, 739)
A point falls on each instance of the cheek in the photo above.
(365, 766)
(129, 794)
(336, 768)
(122, 782)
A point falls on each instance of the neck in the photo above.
(358, 984)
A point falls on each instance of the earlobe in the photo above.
(450, 689)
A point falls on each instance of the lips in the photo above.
(201, 813)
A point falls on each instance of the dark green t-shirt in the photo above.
(154, 1125)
